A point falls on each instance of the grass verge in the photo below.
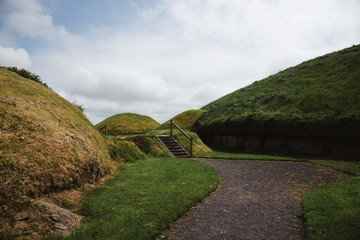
(143, 199)
(333, 211)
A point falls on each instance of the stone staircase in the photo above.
(173, 146)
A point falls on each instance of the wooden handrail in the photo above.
(105, 126)
(184, 133)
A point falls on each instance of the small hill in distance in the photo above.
(127, 124)
(184, 120)
(312, 108)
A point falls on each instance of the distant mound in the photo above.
(128, 123)
(316, 99)
(46, 143)
(185, 120)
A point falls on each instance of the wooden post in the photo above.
(171, 123)
(191, 146)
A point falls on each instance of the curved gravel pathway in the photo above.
(256, 200)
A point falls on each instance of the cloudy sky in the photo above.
(162, 57)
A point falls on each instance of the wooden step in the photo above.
(173, 146)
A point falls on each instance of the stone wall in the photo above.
(321, 146)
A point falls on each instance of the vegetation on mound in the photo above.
(143, 199)
(124, 151)
(127, 123)
(319, 94)
(46, 144)
(150, 145)
(26, 74)
(185, 120)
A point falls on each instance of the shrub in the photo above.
(27, 74)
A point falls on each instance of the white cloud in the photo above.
(12, 57)
(29, 18)
(180, 55)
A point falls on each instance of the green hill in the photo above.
(46, 143)
(184, 120)
(319, 97)
(128, 123)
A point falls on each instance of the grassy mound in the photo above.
(128, 123)
(46, 143)
(185, 120)
(320, 96)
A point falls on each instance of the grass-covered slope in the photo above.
(184, 120)
(46, 143)
(320, 96)
(128, 123)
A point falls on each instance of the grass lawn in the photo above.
(144, 198)
(333, 211)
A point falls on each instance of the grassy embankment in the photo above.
(46, 143)
(320, 96)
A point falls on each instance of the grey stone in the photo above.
(62, 217)
(60, 226)
(277, 144)
(23, 216)
(307, 146)
(252, 143)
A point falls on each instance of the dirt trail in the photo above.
(256, 200)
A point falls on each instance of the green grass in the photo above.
(319, 95)
(249, 156)
(333, 211)
(143, 199)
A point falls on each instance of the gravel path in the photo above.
(256, 200)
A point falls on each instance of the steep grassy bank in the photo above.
(320, 92)
(46, 144)
(318, 98)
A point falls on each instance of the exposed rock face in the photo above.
(61, 219)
